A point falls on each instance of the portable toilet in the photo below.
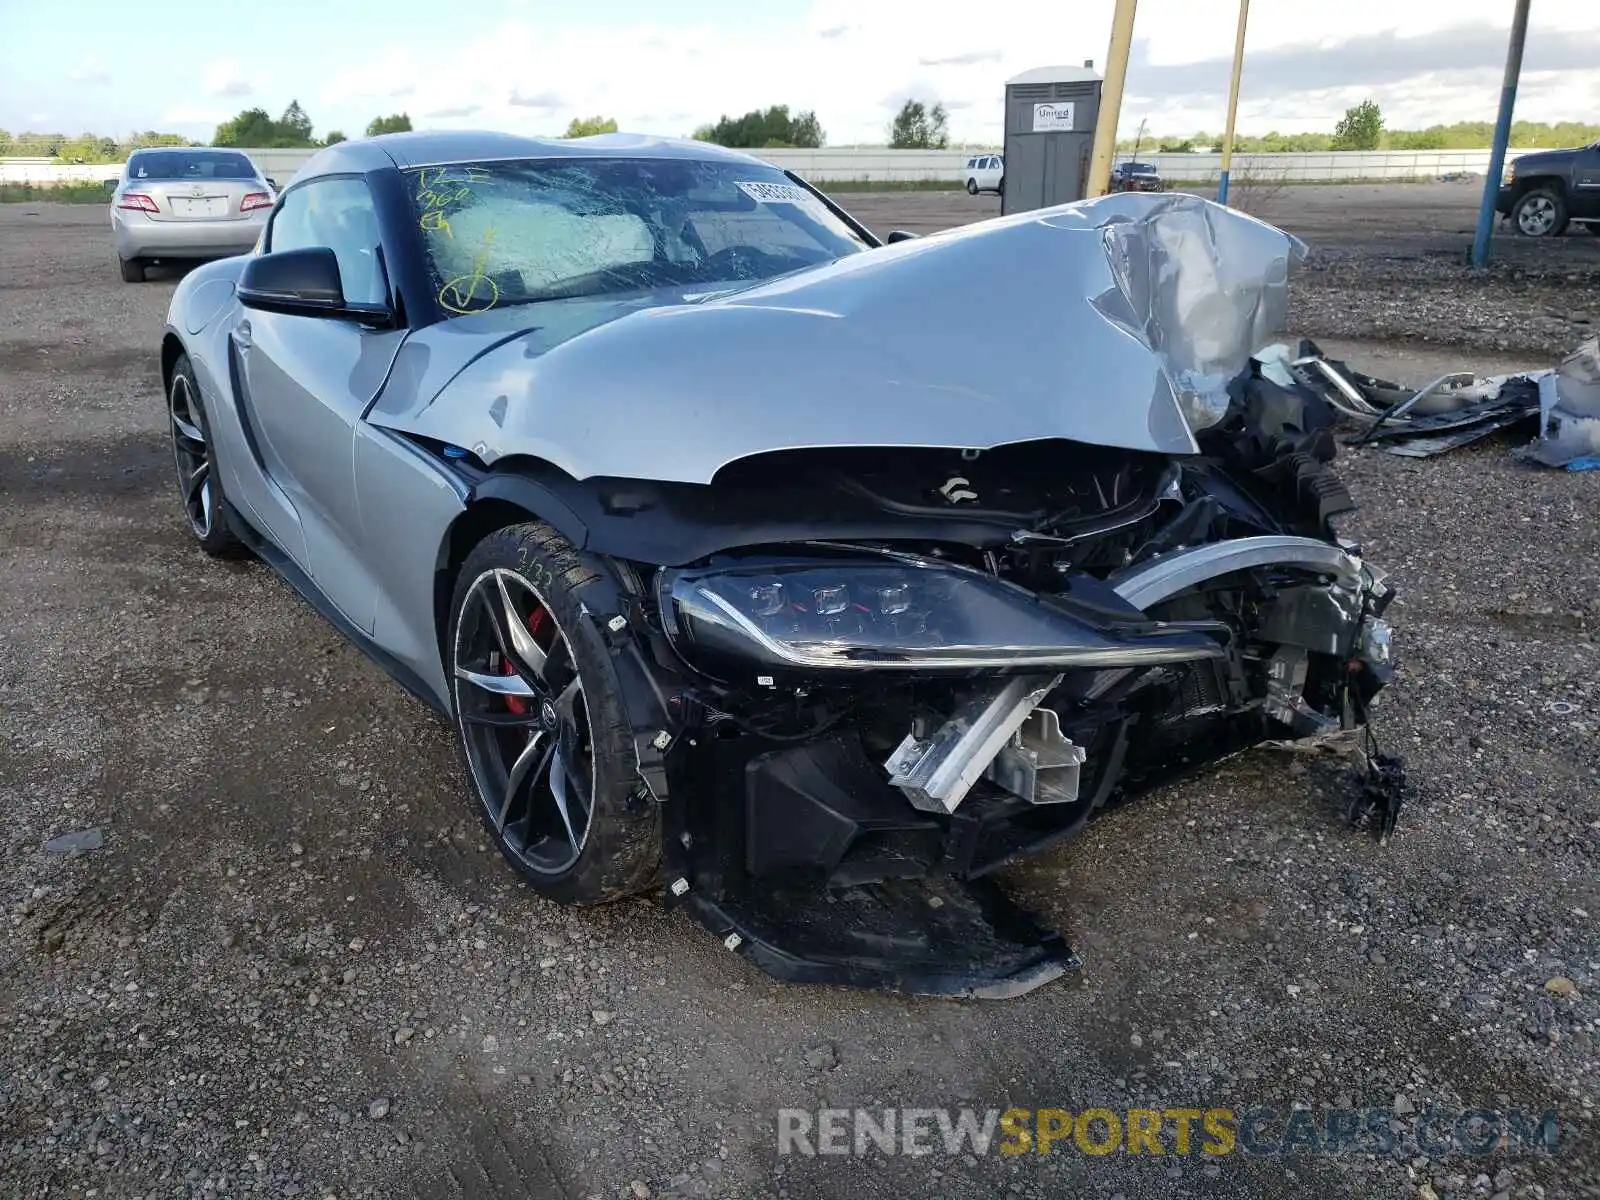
(1050, 119)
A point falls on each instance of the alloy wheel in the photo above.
(193, 457)
(524, 721)
(1536, 216)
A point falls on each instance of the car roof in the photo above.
(433, 148)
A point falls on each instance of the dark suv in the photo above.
(1549, 188)
(1136, 177)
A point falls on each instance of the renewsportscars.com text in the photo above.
(1212, 1132)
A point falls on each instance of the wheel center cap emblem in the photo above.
(547, 714)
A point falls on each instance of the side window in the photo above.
(338, 214)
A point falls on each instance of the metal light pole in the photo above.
(1233, 103)
(1502, 134)
(1105, 127)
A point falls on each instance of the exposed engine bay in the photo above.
(971, 655)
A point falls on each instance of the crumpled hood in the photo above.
(1116, 322)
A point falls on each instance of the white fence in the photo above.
(872, 165)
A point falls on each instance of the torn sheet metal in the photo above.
(1453, 410)
(1515, 399)
(1420, 446)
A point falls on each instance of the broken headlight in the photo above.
(901, 612)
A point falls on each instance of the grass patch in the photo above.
(54, 193)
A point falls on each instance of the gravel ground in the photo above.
(292, 967)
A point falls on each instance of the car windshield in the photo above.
(190, 164)
(529, 230)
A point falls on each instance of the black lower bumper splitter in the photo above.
(932, 936)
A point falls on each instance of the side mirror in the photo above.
(899, 235)
(304, 283)
(111, 185)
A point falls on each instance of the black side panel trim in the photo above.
(244, 409)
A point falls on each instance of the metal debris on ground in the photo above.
(1452, 410)
(1561, 406)
(77, 842)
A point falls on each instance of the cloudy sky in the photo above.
(669, 65)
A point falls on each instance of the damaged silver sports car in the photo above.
(798, 577)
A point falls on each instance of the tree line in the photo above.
(918, 125)
(251, 128)
(1362, 128)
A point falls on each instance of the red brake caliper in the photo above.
(536, 620)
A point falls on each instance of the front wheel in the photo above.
(540, 724)
(1540, 213)
(199, 489)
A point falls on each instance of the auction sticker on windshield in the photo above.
(782, 193)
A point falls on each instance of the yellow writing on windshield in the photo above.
(475, 290)
(434, 221)
(440, 188)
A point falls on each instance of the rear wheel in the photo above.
(132, 270)
(972, 187)
(199, 489)
(1540, 213)
(540, 725)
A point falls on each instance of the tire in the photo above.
(1541, 212)
(132, 270)
(972, 187)
(1000, 188)
(553, 729)
(211, 518)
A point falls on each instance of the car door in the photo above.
(1586, 183)
(309, 379)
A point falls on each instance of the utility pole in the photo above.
(1105, 127)
(1233, 103)
(1502, 134)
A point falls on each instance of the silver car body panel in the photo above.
(1115, 322)
(138, 236)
